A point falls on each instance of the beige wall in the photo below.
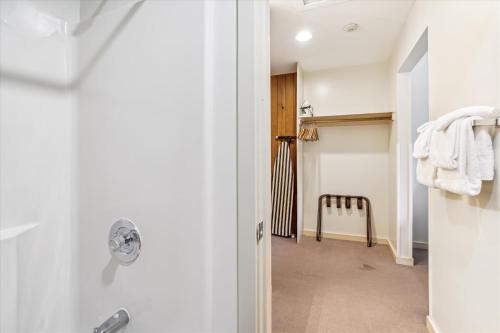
(358, 89)
(348, 159)
(464, 69)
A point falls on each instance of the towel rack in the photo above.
(487, 122)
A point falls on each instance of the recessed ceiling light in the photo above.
(351, 27)
(303, 36)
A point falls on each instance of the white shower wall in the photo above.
(133, 116)
(37, 111)
(157, 144)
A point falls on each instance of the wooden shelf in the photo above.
(348, 119)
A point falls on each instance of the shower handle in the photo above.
(124, 241)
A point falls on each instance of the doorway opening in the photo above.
(340, 236)
(413, 111)
(419, 193)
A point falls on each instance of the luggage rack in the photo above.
(348, 198)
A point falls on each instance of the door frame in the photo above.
(254, 172)
(404, 148)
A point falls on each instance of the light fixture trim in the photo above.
(303, 36)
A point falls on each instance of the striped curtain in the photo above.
(282, 192)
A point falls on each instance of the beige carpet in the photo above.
(345, 287)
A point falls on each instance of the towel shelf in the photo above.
(487, 122)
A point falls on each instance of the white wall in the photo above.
(359, 89)
(37, 115)
(464, 252)
(419, 115)
(92, 8)
(337, 163)
(157, 144)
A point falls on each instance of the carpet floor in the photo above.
(344, 287)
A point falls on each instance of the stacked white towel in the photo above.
(444, 147)
(422, 144)
(450, 157)
(485, 155)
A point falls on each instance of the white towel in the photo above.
(421, 147)
(480, 110)
(485, 153)
(444, 146)
(422, 144)
(450, 157)
(466, 179)
(426, 172)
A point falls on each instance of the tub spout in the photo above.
(114, 323)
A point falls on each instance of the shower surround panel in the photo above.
(87, 137)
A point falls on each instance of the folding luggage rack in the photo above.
(348, 198)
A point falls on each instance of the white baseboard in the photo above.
(420, 245)
(406, 261)
(347, 237)
(358, 238)
(431, 325)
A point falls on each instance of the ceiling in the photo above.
(380, 22)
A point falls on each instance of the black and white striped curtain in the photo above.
(282, 192)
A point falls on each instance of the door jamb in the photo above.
(254, 176)
(404, 247)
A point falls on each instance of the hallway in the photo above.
(341, 286)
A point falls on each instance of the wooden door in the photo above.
(284, 123)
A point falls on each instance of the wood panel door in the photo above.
(284, 123)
